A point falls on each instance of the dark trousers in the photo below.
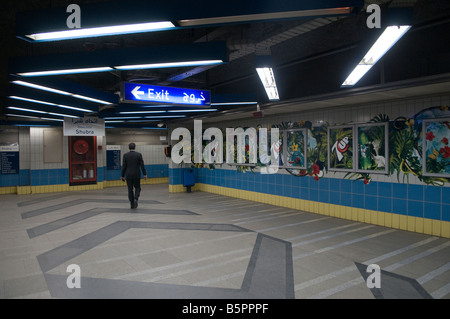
(134, 188)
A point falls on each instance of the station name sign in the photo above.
(144, 93)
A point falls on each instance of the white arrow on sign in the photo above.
(136, 93)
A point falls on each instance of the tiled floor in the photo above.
(201, 245)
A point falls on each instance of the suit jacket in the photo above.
(132, 162)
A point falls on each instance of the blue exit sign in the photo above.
(144, 93)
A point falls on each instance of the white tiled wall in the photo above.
(37, 151)
(152, 154)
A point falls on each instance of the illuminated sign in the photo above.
(144, 93)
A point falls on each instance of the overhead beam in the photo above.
(180, 12)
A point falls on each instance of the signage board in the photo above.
(144, 93)
(87, 126)
(9, 158)
(113, 157)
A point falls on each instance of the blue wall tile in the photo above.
(432, 210)
(446, 195)
(358, 187)
(335, 184)
(399, 206)
(446, 212)
(400, 191)
(335, 198)
(371, 189)
(415, 192)
(432, 194)
(385, 204)
(357, 201)
(384, 189)
(415, 208)
(371, 202)
(346, 186)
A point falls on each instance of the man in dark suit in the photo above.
(131, 168)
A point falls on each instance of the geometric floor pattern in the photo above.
(201, 245)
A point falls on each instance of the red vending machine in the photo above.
(82, 160)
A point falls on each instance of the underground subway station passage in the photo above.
(232, 150)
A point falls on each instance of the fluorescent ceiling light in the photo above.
(122, 118)
(90, 99)
(193, 110)
(265, 16)
(154, 128)
(25, 110)
(66, 71)
(168, 64)
(74, 108)
(268, 80)
(65, 115)
(114, 121)
(49, 89)
(234, 103)
(101, 31)
(48, 118)
(41, 87)
(36, 111)
(26, 116)
(52, 104)
(386, 40)
(141, 112)
(142, 121)
(32, 125)
(164, 116)
(30, 100)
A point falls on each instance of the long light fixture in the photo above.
(164, 116)
(49, 103)
(233, 103)
(49, 89)
(193, 110)
(101, 31)
(40, 87)
(141, 112)
(267, 77)
(26, 110)
(387, 39)
(36, 111)
(168, 64)
(66, 71)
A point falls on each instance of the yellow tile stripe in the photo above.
(22, 190)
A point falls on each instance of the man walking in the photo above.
(131, 168)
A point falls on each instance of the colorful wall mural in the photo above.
(382, 146)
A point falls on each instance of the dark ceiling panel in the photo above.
(312, 55)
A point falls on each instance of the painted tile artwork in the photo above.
(295, 149)
(341, 148)
(436, 147)
(372, 150)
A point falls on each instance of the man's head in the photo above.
(132, 146)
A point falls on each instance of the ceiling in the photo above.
(311, 58)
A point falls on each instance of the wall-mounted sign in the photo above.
(87, 126)
(113, 157)
(144, 93)
(9, 157)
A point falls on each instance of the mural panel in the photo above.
(436, 150)
(341, 145)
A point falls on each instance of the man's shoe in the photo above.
(132, 205)
(135, 203)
